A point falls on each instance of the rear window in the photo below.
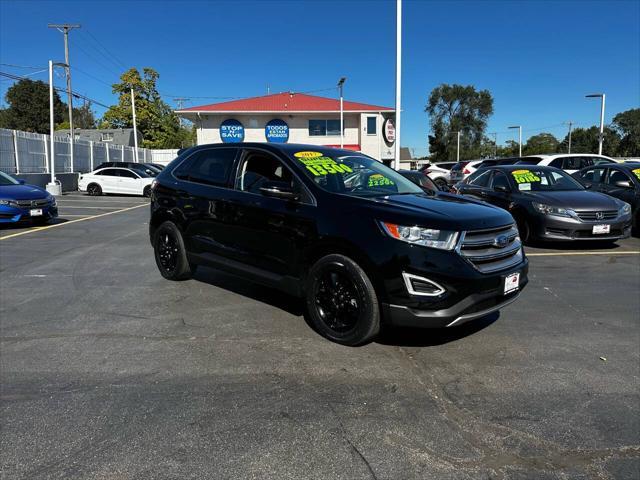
(211, 166)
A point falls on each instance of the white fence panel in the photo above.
(7, 153)
(62, 159)
(163, 157)
(115, 153)
(32, 155)
(82, 156)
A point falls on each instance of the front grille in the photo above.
(40, 202)
(493, 249)
(596, 216)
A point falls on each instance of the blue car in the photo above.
(20, 202)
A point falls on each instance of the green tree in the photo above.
(540, 143)
(585, 140)
(454, 108)
(28, 108)
(509, 149)
(82, 118)
(627, 125)
(156, 121)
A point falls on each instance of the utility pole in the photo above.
(65, 28)
(135, 126)
(570, 123)
(495, 144)
(519, 127)
(180, 101)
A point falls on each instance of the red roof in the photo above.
(286, 102)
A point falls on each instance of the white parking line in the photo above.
(566, 254)
(47, 227)
(86, 206)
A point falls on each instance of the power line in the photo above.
(107, 53)
(98, 62)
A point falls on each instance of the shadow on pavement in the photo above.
(429, 337)
(27, 224)
(576, 245)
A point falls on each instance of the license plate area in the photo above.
(35, 212)
(511, 283)
(600, 229)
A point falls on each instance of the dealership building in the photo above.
(297, 118)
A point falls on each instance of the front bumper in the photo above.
(10, 214)
(554, 228)
(467, 297)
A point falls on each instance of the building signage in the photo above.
(231, 131)
(277, 131)
(389, 130)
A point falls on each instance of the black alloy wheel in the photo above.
(341, 301)
(94, 189)
(170, 253)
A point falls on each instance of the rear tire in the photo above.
(94, 190)
(341, 301)
(170, 253)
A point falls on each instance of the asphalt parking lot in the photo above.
(108, 371)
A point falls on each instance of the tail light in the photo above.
(466, 171)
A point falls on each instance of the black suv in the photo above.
(359, 242)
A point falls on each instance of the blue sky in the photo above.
(537, 58)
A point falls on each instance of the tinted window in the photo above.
(556, 163)
(480, 178)
(573, 163)
(500, 180)
(617, 176)
(109, 172)
(211, 166)
(127, 174)
(593, 175)
(320, 128)
(371, 126)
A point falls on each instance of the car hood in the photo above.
(21, 192)
(578, 200)
(444, 211)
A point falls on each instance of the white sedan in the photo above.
(116, 180)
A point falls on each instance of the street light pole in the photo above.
(458, 149)
(135, 128)
(340, 86)
(52, 187)
(570, 123)
(398, 81)
(519, 127)
(601, 136)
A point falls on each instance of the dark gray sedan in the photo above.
(548, 204)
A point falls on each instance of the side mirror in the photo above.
(624, 184)
(20, 181)
(278, 190)
(501, 189)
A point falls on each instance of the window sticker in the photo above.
(636, 172)
(307, 154)
(379, 180)
(524, 186)
(319, 165)
(524, 176)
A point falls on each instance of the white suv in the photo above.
(569, 162)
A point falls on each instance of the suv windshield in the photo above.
(539, 180)
(7, 180)
(354, 175)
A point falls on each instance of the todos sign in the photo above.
(277, 131)
(231, 131)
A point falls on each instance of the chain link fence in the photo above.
(24, 152)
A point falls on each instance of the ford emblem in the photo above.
(501, 241)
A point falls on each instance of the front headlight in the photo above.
(624, 209)
(427, 237)
(52, 200)
(549, 210)
(9, 203)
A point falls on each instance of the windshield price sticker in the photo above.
(307, 154)
(319, 166)
(524, 176)
(378, 180)
(636, 172)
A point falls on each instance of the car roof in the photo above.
(523, 167)
(287, 148)
(547, 156)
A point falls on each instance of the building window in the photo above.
(323, 128)
(372, 125)
(106, 137)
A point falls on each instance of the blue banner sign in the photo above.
(231, 131)
(277, 131)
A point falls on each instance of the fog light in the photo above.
(421, 286)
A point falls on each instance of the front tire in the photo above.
(94, 190)
(341, 301)
(524, 229)
(147, 191)
(170, 253)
